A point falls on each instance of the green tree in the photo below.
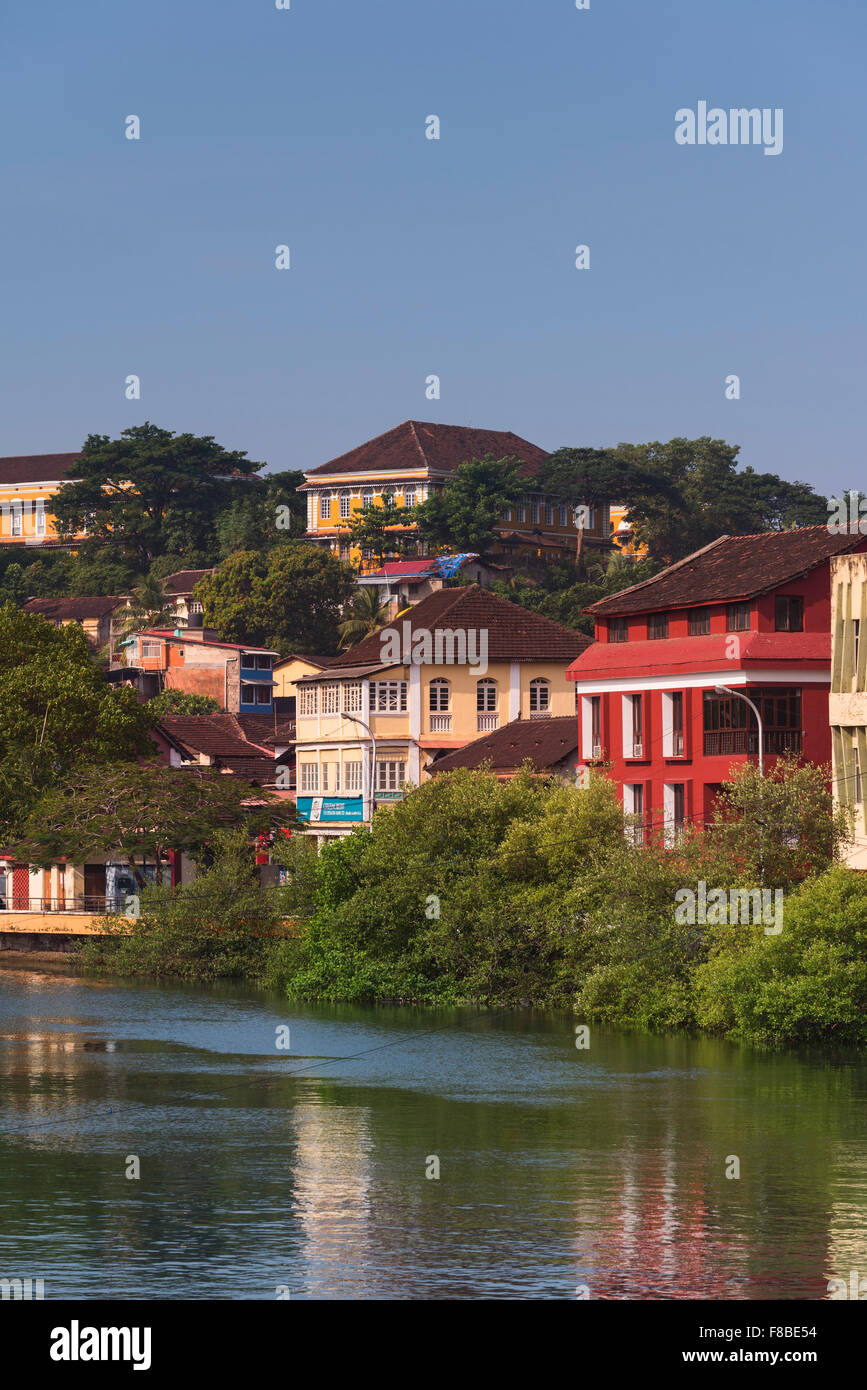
(141, 812)
(467, 514)
(148, 608)
(289, 599)
(152, 491)
(172, 701)
(375, 528)
(364, 615)
(55, 709)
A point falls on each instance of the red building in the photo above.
(751, 613)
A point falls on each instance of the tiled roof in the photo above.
(677, 656)
(74, 609)
(514, 634)
(35, 468)
(261, 729)
(545, 741)
(731, 568)
(220, 736)
(439, 448)
(183, 581)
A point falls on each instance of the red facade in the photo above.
(647, 704)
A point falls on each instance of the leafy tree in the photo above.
(806, 985)
(289, 599)
(271, 514)
(375, 528)
(148, 608)
(171, 701)
(364, 616)
(690, 493)
(143, 811)
(594, 478)
(55, 709)
(467, 514)
(152, 490)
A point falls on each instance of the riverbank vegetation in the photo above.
(474, 890)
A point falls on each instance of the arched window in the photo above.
(367, 497)
(345, 503)
(438, 696)
(486, 696)
(540, 695)
(325, 506)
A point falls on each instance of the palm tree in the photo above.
(365, 616)
(148, 607)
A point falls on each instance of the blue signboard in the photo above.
(330, 808)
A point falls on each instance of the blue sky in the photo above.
(412, 256)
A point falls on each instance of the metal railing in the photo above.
(720, 742)
(80, 903)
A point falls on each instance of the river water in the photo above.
(267, 1172)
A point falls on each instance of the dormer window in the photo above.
(618, 630)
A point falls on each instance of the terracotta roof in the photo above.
(35, 468)
(731, 568)
(438, 448)
(184, 581)
(514, 634)
(682, 655)
(261, 729)
(545, 741)
(221, 737)
(75, 609)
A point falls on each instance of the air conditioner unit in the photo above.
(637, 750)
(597, 750)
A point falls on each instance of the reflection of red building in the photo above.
(751, 613)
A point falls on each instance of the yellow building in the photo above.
(847, 702)
(621, 533)
(28, 482)
(414, 460)
(456, 666)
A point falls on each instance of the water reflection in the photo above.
(558, 1168)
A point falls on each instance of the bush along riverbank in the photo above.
(473, 890)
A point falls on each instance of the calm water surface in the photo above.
(263, 1168)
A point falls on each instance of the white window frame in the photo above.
(353, 776)
(352, 697)
(486, 696)
(629, 746)
(588, 751)
(540, 686)
(389, 697)
(390, 774)
(309, 777)
(325, 506)
(439, 696)
(345, 503)
(308, 701)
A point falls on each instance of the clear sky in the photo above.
(412, 256)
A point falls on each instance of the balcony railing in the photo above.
(440, 723)
(540, 714)
(486, 723)
(84, 902)
(720, 742)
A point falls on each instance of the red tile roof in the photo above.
(261, 729)
(680, 655)
(221, 737)
(183, 581)
(514, 634)
(731, 568)
(439, 448)
(74, 609)
(545, 742)
(36, 468)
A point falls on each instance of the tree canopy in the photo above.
(289, 599)
(467, 514)
(152, 490)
